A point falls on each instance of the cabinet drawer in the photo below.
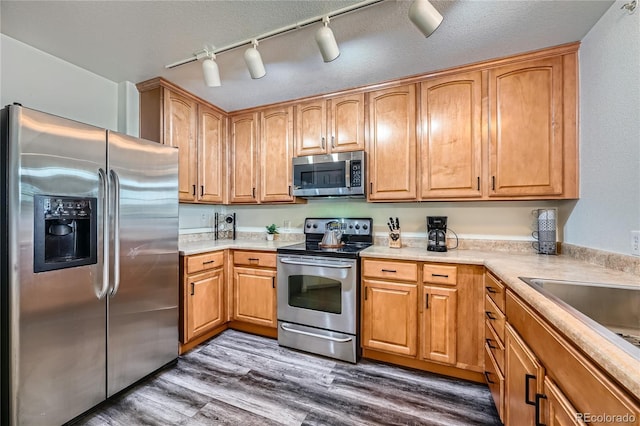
(494, 345)
(254, 258)
(495, 380)
(390, 270)
(440, 274)
(495, 290)
(205, 261)
(495, 317)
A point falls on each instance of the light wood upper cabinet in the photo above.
(211, 155)
(390, 317)
(180, 131)
(392, 144)
(173, 117)
(438, 324)
(311, 128)
(346, 123)
(243, 141)
(276, 152)
(526, 128)
(451, 137)
(333, 125)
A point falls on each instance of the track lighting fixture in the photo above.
(210, 70)
(424, 16)
(254, 61)
(327, 42)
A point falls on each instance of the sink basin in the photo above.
(612, 310)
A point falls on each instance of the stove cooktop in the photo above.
(357, 235)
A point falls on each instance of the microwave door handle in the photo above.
(347, 173)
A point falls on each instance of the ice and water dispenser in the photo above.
(65, 232)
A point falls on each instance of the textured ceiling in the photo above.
(134, 40)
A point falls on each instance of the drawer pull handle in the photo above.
(440, 275)
(491, 290)
(539, 396)
(486, 376)
(490, 315)
(253, 259)
(490, 345)
(193, 289)
(389, 270)
(528, 377)
(207, 262)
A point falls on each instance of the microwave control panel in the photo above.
(356, 173)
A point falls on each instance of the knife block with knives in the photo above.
(394, 233)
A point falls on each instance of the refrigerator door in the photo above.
(57, 320)
(143, 298)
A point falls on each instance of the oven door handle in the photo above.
(321, 265)
(320, 336)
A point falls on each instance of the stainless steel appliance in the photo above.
(318, 288)
(437, 233)
(89, 265)
(546, 231)
(331, 175)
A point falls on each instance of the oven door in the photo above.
(318, 292)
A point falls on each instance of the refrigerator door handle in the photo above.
(105, 234)
(116, 231)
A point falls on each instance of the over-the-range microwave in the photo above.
(331, 175)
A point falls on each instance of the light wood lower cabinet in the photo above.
(202, 302)
(416, 310)
(254, 296)
(390, 316)
(559, 410)
(439, 325)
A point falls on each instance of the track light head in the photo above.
(254, 61)
(210, 71)
(425, 16)
(327, 42)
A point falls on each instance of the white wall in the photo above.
(44, 82)
(609, 205)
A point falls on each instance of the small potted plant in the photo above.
(272, 230)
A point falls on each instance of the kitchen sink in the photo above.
(612, 310)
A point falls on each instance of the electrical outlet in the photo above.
(635, 243)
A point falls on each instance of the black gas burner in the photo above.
(357, 235)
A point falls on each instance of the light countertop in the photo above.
(622, 366)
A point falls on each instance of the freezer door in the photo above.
(57, 321)
(143, 300)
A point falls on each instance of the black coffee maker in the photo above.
(437, 233)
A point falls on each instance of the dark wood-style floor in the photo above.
(241, 379)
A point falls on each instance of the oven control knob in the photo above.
(350, 226)
(308, 225)
(315, 226)
(365, 227)
(357, 227)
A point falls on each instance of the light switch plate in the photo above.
(635, 243)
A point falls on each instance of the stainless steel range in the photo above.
(318, 288)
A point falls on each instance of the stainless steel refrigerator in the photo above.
(89, 265)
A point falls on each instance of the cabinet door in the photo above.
(244, 175)
(389, 321)
(558, 411)
(346, 123)
(526, 126)
(211, 155)
(311, 125)
(276, 152)
(523, 379)
(254, 296)
(438, 322)
(451, 138)
(392, 142)
(205, 302)
(180, 117)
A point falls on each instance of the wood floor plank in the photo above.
(241, 379)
